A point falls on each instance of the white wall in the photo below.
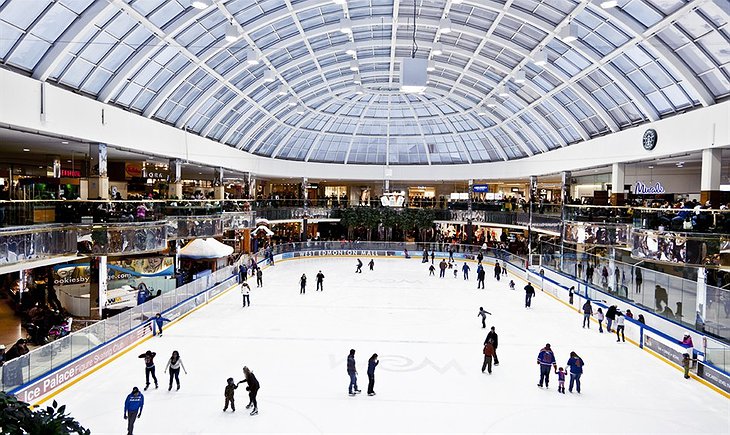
(73, 115)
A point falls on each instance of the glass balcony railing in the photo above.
(683, 248)
(36, 242)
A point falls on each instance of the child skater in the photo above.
(229, 392)
(431, 270)
(561, 380)
(483, 313)
(511, 285)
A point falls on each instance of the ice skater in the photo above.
(157, 323)
(686, 360)
(372, 363)
(488, 354)
(480, 277)
(252, 388)
(149, 368)
(175, 364)
(561, 380)
(359, 266)
(576, 370)
(511, 285)
(587, 312)
(497, 270)
(133, 409)
(620, 327)
(371, 264)
(245, 292)
(610, 317)
(465, 268)
(320, 281)
(495, 342)
(431, 270)
(529, 293)
(546, 360)
(259, 278)
(229, 394)
(303, 284)
(352, 372)
(504, 269)
(483, 313)
(600, 317)
(442, 267)
(571, 290)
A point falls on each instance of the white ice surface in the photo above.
(429, 339)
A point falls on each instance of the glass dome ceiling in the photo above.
(285, 88)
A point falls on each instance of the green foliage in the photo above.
(370, 217)
(16, 417)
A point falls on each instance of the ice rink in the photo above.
(429, 380)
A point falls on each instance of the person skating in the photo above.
(561, 380)
(433, 255)
(546, 360)
(320, 281)
(480, 257)
(600, 317)
(359, 266)
(610, 317)
(245, 292)
(229, 394)
(157, 323)
(443, 267)
(511, 284)
(431, 270)
(149, 367)
(371, 264)
(480, 277)
(352, 372)
(571, 290)
(529, 293)
(242, 273)
(576, 370)
(488, 354)
(252, 388)
(372, 363)
(133, 405)
(465, 268)
(259, 277)
(620, 327)
(587, 312)
(495, 342)
(303, 284)
(175, 364)
(504, 269)
(686, 360)
(483, 313)
(497, 270)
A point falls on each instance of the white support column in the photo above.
(701, 307)
(219, 190)
(175, 185)
(710, 177)
(618, 179)
(98, 176)
(102, 285)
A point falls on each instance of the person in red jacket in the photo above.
(488, 354)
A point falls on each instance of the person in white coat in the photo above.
(174, 364)
(245, 292)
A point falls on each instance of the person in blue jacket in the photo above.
(576, 369)
(157, 323)
(465, 268)
(133, 408)
(546, 360)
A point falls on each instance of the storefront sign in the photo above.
(133, 169)
(642, 189)
(480, 188)
(157, 175)
(71, 174)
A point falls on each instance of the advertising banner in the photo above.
(597, 234)
(715, 377)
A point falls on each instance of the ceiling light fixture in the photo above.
(351, 50)
(359, 90)
(357, 79)
(437, 49)
(26, 150)
(301, 110)
(445, 26)
(281, 90)
(269, 76)
(354, 66)
(252, 58)
(346, 26)
(233, 33)
(431, 66)
(200, 4)
(64, 142)
(568, 33)
(609, 4)
(520, 77)
(292, 102)
(491, 103)
(503, 92)
(541, 57)
(482, 111)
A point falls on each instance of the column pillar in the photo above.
(305, 183)
(250, 186)
(710, 178)
(531, 203)
(219, 191)
(98, 175)
(565, 199)
(618, 180)
(98, 286)
(174, 187)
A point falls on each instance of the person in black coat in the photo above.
(495, 342)
(253, 389)
(610, 317)
(529, 293)
(320, 281)
(303, 284)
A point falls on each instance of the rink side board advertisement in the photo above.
(664, 347)
(714, 377)
(56, 379)
(343, 253)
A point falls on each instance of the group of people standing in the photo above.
(373, 362)
(547, 362)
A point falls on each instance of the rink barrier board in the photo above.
(44, 388)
